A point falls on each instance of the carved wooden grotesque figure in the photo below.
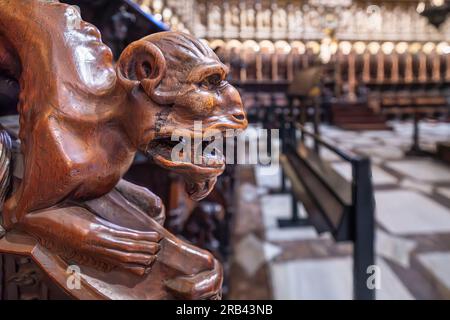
(82, 119)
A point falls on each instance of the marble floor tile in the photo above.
(251, 253)
(328, 130)
(383, 152)
(344, 169)
(376, 160)
(328, 279)
(422, 169)
(338, 135)
(417, 186)
(271, 251)
(437, 265)
(379, 176)
(392, 288)
(436, 129)
(291, 234)
(404, 212)
(444, 192)
(345, 146)
(402, 126)
(268, 177)
(378, 134)
(250, 193)
(404, 143)
(428, 146)
(312, 279)
(394, 248)
(274, 207)
(328, 155)
(277, 206)
(359, 141)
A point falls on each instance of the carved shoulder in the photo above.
(63, 62)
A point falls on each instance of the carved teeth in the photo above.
(164, 146)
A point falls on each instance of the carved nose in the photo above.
(239, 116)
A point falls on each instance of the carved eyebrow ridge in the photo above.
(207, 70)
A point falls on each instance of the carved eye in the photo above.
(212, 81)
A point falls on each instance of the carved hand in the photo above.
(146, 200)
(204, 285)
(77, 234)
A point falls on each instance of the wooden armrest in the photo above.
(17, 243)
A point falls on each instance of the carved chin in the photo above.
(200, 174)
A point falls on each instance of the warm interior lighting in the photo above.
(157, 5)
(180, 27)
(234, 44)
(217, 43)
(314, 46)
(437, 3)
(282, 46)
(346, 47)
(333, 47)
(443, 48)
(299, 46)
(387, 47)
(428, 47)
(415, 47)
(251, 44)
(373, 47)
(145, 9)
(167, 14)
(325, 51)
(359, 47)
(420, 7)
(401, 47)
(267, 46)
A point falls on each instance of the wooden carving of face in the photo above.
(178, 84)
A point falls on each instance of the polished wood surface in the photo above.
(82, 119)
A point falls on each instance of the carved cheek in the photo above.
(199, 102)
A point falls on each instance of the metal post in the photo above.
(363, 229)
(283, 182)
(416, 132)
(295, 217)
(303, 116)
(269, 143)
(415, 150)
(316, 124)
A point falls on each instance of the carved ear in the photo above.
(142, 63)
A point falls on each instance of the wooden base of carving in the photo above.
(23, 277)
(93, 284)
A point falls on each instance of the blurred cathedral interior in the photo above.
(354, 100)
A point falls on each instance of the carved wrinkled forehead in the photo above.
(180, 49)
(184, 55)
(166, 64)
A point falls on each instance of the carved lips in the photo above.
(196, 161)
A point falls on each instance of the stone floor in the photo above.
(412, 234)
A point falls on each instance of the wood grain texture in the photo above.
(82, 119)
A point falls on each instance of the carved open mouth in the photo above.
(198, 163)
(184, 153)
